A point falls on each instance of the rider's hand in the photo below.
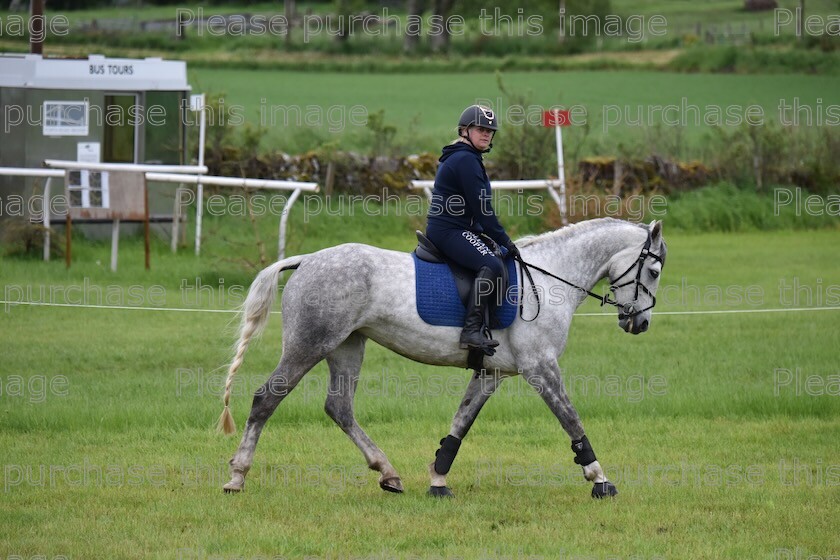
(513, 250)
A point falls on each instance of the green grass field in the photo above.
(425, 107)
(719, 426)
(720, 430)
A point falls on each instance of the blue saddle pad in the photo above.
(438, 301)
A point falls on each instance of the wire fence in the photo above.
(9, 304)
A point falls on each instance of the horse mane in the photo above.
(574, 230)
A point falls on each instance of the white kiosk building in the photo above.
(93, 110)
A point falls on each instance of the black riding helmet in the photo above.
(476, 115)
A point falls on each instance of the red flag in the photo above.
(556, 117)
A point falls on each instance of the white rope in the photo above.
(122, 307)
(192, 310)
(721, 311)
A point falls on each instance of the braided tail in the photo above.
(255, 313)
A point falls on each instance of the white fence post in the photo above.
(198, 105)
(561, 174)
(115, 243)
(176, 219)
(284, 219)
(199, 212)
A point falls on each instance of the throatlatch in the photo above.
(584, 454)
(446, 454)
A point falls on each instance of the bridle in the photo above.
(628, 310)
(625, 311)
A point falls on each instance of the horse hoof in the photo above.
(440, 492)
(234, 486)
(604, 490)
(392, 484)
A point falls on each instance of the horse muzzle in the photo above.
(632, 321)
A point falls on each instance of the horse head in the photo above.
(634, 278)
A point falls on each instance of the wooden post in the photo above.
(36, 22)
(330, 180)
(146, 220)
(46, 218)
(69, 235)
(618, 177)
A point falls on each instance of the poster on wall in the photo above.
(88, 152)
(106, 195)
(65, 118)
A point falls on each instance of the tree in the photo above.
(440, 11)
(289, 9)
(561, 28)
(414, 13)
(760, 5)
(342, 31)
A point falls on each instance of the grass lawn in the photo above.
(719, 430)
(620, 107)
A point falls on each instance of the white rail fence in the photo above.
(296, 187)
(179, 174)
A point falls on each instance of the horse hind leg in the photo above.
(289, 372)
(345, 363)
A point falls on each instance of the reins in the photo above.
(625, 310)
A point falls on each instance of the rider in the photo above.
(461, 209)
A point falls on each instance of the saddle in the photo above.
(437, 308)
(464, 277)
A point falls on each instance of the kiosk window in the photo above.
(120, 123)
(88, 189)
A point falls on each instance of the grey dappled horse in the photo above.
(339, 297)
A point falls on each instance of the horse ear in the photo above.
(656, 231)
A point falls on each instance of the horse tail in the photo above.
(255, 313)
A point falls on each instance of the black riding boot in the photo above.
(473, 334)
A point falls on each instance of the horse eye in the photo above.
(654, 273)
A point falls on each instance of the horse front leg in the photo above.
(478, 391)
(548, 382)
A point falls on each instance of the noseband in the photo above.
(625, 311)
